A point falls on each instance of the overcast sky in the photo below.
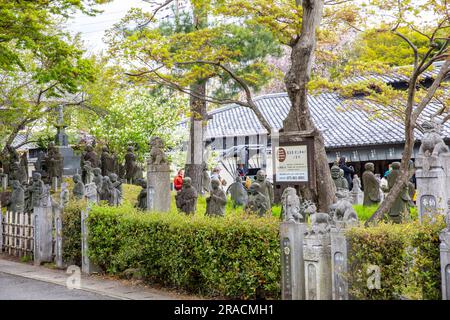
(92, 29)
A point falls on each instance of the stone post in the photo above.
(1, 228)
(432, 184)
(55, 184)
(158, 187)
(317, 256)
(339, 258)
(4, 182)
(92, 198)
(292, 264)
(445, 264)
(43, 228)
(58, 237)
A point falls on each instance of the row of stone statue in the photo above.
(108, 164)
(258, 199)
(297, 211)
(25, 196)
(108, 188)
(373, 190)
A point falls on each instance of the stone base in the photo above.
(317, 255)
(432, 184)
(158, 187)
(292, 264)
(445, 264)
(71, 162)
(357, 197)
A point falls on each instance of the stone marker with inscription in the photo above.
(158, 178)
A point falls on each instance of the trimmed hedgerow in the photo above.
(71, 232)
(407, 255)
(237, 256)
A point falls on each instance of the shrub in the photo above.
(236, 256)
(71, 232)
(407, 255)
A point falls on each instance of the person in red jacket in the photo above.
(178, 181)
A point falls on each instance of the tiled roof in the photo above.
(340, 125)
(20, 139)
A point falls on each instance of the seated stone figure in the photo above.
(239, 195)
(257, 201)
(186, 198)
(320, 222)
(78, 188)
(291, 206)
(16, 202)
(117, 184)
(88, 170)
(342, 209)
(337, 174)
(98, 178)
(400, 209)
(157, 155)
(217, 200)
(432, 142)
(142, 197)
(37, 190)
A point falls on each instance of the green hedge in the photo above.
(71, 232)
(237, 256)
(408, 257)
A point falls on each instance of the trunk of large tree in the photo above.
(299, 117)
(199, 118)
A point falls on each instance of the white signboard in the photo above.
(291, 164)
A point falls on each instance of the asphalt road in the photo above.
(19, 288)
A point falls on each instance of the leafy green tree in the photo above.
(138, 117)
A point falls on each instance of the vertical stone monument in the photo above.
(292, 231)
(432, 171)
(317, 258)
(43, 228)
(158, 177)
(445, 257)
(357, 195)
(92, 198)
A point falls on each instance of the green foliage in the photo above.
(140, 116)
(233, 256)
(71, 222)
(407, 255)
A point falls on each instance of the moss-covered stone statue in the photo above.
(142, 197)
(16, 202)
(265, 187)
(186, 198)
(78, 188)
(337, 174)
(217, 200)
(239, 196)
(400, 208)
(257, 201)
(372, 195)
(98, 178)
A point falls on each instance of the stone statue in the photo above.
(24, 166)
(157, 155)
(257, 201)
(337, 174)
(16, 202)
(239, 195)
(117, 184)
(142, 197)
(266, 187)
(320, 222)
(91, 156)
(64, 195)
(356, 184)
(39, 161)
(78, 189)
(217, 200)
(54, 163)
(400, 208)
(186, 198)
(206, 179)
(106, 191)
(15, 173)
(130, 165)
(290, 204)
(371, 184)
(98, 178)
(107, 162)
(342, 209)
(37, 190)
(13, 156)
(88, 172)
(432, 142)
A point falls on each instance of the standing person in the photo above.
(178, 180)
(348, 171)
(241, 170)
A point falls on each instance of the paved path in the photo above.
(15, 278)
(20, 288)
